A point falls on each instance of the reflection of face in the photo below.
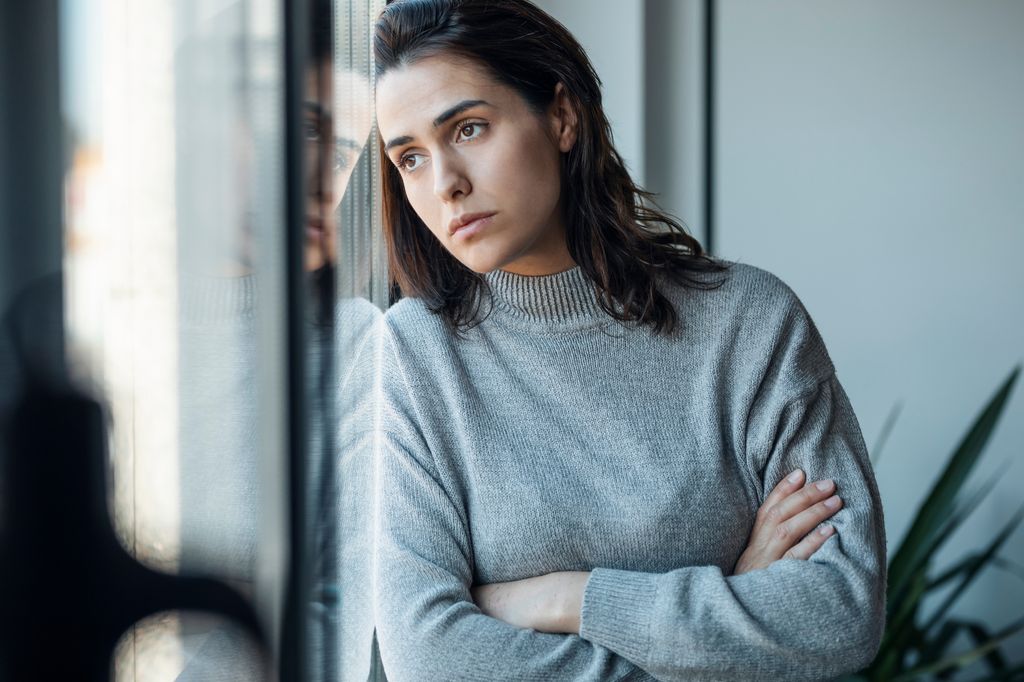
(336, 122)
(466, 144)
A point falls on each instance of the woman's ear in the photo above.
(564, 119)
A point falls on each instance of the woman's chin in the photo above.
(478, 263)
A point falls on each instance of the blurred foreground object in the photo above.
(68, 587)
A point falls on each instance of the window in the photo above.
(181, 309)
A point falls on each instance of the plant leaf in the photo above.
(980, 635)
(899, 632)
(956, 571)
(959, 515)
(1009, 566)
(960, 660)
(939, 503)
(1014, 673)
(934, 649)
(975, 568)
(976, 631)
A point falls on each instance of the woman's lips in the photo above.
(474, 227)
(314, 229)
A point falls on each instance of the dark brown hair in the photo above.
(614, 231)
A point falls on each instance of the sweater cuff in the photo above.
(617, 612)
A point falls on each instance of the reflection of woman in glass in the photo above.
(221, 477)
(588, 425)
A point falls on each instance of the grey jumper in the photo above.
(554, 438)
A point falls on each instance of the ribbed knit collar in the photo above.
(564, 301)
(206, 299)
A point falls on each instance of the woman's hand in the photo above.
(547, 603)
(784, 523)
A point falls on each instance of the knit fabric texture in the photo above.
(555, 438)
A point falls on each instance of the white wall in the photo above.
(611, 31)
(872, 155)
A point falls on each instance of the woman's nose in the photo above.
(450, 179)
(317, 171)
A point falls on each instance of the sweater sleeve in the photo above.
(795, 619)
(357, 330)
(428, 626)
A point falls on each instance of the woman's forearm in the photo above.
(546, 603)
(569, 587)
(554, 602)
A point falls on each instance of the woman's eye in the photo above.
(466, 129)
(404, 162)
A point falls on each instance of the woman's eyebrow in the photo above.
(458, 109)
(446, 115)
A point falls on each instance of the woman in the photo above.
(587, 424)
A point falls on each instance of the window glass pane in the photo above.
(177, 300)
(175, 295)
(349, 288)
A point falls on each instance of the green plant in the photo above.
(915, 645)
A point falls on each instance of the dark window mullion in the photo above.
(293, 663)
(709, 125)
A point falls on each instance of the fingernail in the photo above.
(823, 485)
(832, 502)
(794, 477)
(826, 530)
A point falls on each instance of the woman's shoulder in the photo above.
(753, 277)
(756, 315)
(741, 291)
(356, 318)
(357, 327)
(416, 334)
(410, 317)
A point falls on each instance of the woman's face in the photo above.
(466, 146)
(336, 122)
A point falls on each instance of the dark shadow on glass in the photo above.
(68, 588)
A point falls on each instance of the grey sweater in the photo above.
(554, 438)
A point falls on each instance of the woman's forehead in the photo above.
(421, 91)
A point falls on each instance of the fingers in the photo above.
(810, 544)
(802, 499)
(790, 531)
(790, 513)
(786, 487)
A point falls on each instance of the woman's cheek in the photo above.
(537, 175)
(426, 206)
